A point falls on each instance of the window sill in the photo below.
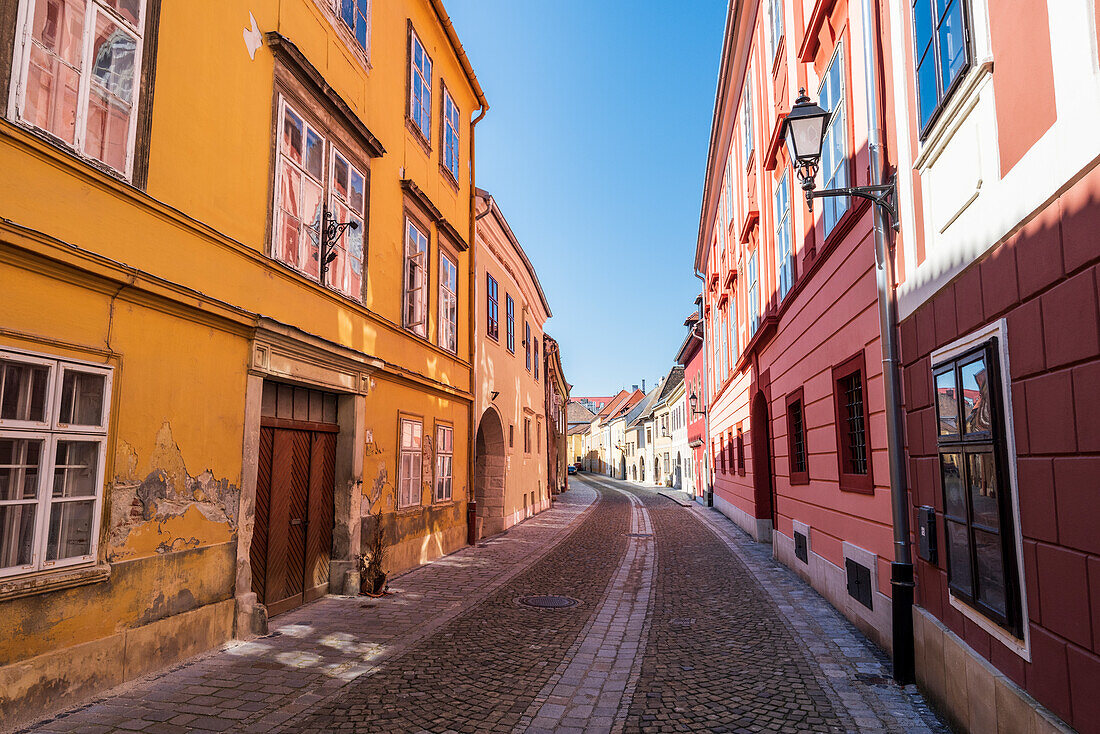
(996, 631)
(70, 152)
(951, 115)
(419, 135)
(856, 484)
(41, 583)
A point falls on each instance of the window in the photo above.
(77, 75)
(450, 134)
(834, 146)
(492, 322)
(796, 439)
(722, 450)
(853, 450)
(411, 462)
(448, 304)
(510, 307)
(775, 15)
(784, 258)
(444, 462)
(753, 302)
(746, 120)
(511, 435)
(527, 343)
(740, 450)
(356, 15)
(526, 435)
(416, 279)
(940, 31)
(53, 441)
(978, 515)
(420, 85)
(300, 196)
(536, 364)
(538, 434)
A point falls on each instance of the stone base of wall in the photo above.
(36, 688)
(417, 551)
(831, 581)
(969, 692)
(759, 529)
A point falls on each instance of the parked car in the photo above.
(571, 469)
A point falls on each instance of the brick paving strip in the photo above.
(318, 648)
(588, 690)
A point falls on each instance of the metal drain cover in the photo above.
(548, 602)
(639, 535)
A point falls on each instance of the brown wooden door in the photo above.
(292, 540)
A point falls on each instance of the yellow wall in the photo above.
(166, 285)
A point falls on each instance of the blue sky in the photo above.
(595, 147)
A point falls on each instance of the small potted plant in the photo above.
(372, 575)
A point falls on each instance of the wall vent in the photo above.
(801, 551)
(859, 582)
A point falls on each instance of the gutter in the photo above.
(472, 417)
(901, 576)
(460, 52)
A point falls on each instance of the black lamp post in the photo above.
(804, 131)
(694, 401)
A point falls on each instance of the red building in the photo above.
(986, 110)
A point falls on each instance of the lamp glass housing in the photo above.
(694, 400)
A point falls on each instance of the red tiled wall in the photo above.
(1045, 281)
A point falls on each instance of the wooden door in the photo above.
(292, 540)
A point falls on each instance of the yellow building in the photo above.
(510, 470)
(209, 391)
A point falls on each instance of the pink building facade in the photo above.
(692, 356)
(988, 111)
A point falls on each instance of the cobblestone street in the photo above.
(683, 624)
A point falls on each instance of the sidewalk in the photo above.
(318, 648)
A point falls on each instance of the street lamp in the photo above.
(804, 130)
(694, 401)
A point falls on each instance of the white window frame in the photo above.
(337, 8)
(448, 296)
(424, 104)
(752, 297)
(748, 136)
(416, 254)
(444, 480)
(451, 150)
(17, 92)
(344, 262)
(410, 465)
(834, 207)
(999, 330)
(50, 432)
(784, 256)
(776, 29)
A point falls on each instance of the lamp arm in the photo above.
(881, 194)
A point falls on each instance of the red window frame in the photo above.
(851, 481)
(740, 450)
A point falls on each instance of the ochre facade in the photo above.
(164, 272)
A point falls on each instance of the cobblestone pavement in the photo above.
(684, 624)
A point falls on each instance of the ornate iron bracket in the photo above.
(331, 233)
(881, 194)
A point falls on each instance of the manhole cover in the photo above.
(548, 602)
(639, 535)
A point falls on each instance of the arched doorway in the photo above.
(763, 490)
(489, 474)
(641, 470)
(622, 467)
(679, 480)
(656, 470)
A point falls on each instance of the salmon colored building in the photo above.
(985, 110)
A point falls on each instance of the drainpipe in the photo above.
(706, 400)
(471, 505)
(901, 577)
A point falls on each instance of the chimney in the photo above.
(643, 385)
(635, 388)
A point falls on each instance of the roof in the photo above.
(577, 413)
(460, 52)
(675, 377)
(648, 404)
(693, 342)
(633, 399)
(574, 430)
(613, 404)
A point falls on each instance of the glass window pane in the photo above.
(82, 398)
(293, 134)
(985, 503)
(991, 573)
(314, 154)
(975, 397)
(76, 469)
(114, 53)
(20, 459)
(347, 12)
(17, 534)
(70, 530)
(312, 205)
(128, 9)
(927, 89)
(954, 496)
(958, 557)
(952, 43)
(23, 391)
(947, 407)
(51, 95)
(922, 25)
(108, 128)
(340, 176)
(59, 28)
(358, 192)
